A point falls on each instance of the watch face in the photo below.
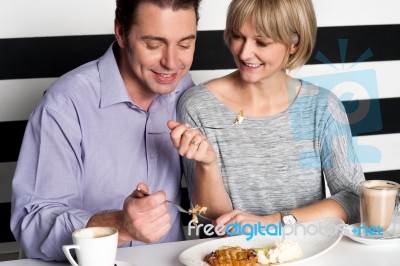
(288, 219)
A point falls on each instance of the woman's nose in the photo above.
(246, 51)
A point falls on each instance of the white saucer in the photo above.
(123, 263)
(352, 232)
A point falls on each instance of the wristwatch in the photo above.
(287, 218)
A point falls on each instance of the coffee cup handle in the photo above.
(66, 249)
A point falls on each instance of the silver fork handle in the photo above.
(191, 128)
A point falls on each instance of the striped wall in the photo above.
(358, 51)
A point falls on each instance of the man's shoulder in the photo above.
(72, 87)
(76, 78)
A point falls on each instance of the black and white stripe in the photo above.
(42, 39)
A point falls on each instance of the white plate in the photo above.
(123, 263)
(314, 238)
(352, 231)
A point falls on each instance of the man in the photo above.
(87, 147)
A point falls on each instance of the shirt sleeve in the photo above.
(340, 164)
(47, 196)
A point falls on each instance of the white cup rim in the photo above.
(111, 231)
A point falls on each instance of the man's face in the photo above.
(159, 49)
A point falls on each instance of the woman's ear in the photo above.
(295, 45)
(119, 34)
(293, 48)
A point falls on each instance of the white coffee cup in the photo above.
(94, 246)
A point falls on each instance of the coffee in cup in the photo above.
(378, 203)
(94, 246)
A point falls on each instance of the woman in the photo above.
(271, 167)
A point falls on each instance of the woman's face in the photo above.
(258, 58)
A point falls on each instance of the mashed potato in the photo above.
(285, 251)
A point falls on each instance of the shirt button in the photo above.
(151, 155)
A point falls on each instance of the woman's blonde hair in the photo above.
(284, 21)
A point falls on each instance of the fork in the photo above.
(239, 118)
(179, 207)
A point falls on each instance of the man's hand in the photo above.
(146, 218)
(143, 218)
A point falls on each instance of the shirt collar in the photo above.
(112, 87)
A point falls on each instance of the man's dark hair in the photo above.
(125, 12)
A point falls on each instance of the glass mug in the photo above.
(379, 203)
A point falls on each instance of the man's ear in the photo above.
(119, 34)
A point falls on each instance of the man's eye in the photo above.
(152, 46)
(184, 45)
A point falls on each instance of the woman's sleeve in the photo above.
(340, 164)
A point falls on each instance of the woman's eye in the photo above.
(261, 44)
(236, 36)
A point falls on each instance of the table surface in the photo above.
(346, 252)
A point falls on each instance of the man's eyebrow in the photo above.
(190, 37)
(161, 39)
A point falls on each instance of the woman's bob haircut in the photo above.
(284, 21)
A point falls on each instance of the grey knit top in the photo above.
(277, 163)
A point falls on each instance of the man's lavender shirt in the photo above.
(84, 151)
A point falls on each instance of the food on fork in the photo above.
(240, 117)
(232, 256)
(283, 252)
(195, 211)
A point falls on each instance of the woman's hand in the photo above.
(191, 144)
(207, 184)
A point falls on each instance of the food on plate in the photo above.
(283, 252)
(195, 211)
(232, 256)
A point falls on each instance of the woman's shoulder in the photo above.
(314, 89)
(205, 90)
(324, 101)
(195, 95)
(194, 91)
(220, 84)
(318, 94)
